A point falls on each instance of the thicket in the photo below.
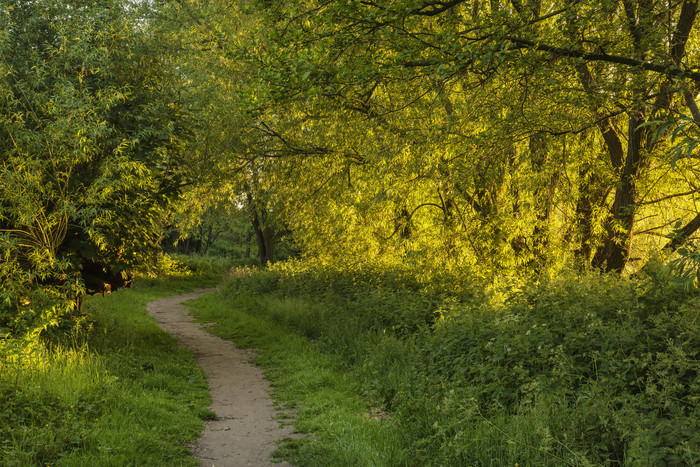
(91, 160)
(571, 370)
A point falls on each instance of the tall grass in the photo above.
(118, 391)
(313, 384)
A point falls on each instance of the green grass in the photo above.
(121, 393)
(343, 426)
(380, 370)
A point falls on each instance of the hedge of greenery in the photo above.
(577, 369)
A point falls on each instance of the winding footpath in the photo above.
(244, 431)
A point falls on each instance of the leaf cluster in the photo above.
(90, 137)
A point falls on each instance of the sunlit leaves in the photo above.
(360, 119)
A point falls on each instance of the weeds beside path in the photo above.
(120, 392)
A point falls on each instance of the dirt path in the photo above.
(244, 433)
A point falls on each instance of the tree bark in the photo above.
(543, 198)
(591, 194)
(683, 234)
(691, 227)
(615, 251)
(262, 230)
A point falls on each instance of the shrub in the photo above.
(621, 365)
(578, 369)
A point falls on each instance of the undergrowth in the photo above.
(577, 369)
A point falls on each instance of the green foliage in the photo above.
(388, 129)
(619, 361)
(400, 300)
(90, 131)
(684, 133)
(33, 311)
(207, 266)
(575, 370)
(316, 388)
(687, 267)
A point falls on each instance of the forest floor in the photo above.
(245, 430)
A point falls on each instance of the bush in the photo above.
(622, 365)
(580, 369)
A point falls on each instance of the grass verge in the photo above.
(578, 369)
(344, 428)
(121, 392)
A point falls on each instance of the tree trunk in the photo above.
(614, 253)
(269, 244)
(543, 199)
(249, 237)
(683, 234)
(590, 196)
(263, 233)
(209, 239)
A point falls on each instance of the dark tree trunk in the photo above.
(614, 253)
(208, 239)
(402, 223)
(683, 234)
(543, 198)
(249, 237)
(263, 232)
(269, 244)
(590, 196)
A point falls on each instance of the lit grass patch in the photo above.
(122, 393)
(578, 369)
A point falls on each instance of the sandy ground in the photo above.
(244, 432)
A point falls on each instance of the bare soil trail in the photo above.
(244, 432)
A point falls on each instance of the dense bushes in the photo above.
(577, 369)
(619, 361)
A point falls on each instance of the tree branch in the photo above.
(668, 70)
(682, 235)
(692, 105)
(434, 9)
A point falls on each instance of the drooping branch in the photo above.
(435, 8)
(692, 105)
(408, 216)
(518, 43)
(691, 227)
(689, 12)
(683, 234)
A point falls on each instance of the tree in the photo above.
(499, 134)
(89, 138)
(419, 82)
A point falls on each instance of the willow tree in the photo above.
(499, 133)
(89, 138)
